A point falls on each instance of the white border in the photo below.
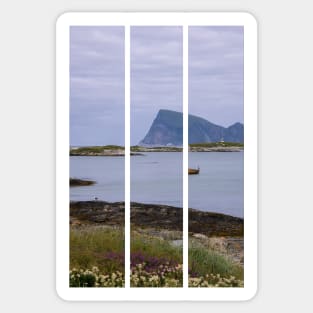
(62, 160)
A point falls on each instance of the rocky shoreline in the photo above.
(213, 231)
(215, 149)
(139, 150)
(111, 153)
(157, 217)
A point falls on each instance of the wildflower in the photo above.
(95, 269)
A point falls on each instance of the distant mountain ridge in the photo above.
(167, 129)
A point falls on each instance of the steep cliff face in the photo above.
(167, 129)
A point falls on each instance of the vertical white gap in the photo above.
(127, 156)
(185, 156)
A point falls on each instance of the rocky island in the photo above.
(108, 150)
(166, 135)
(80, 182)
(140, 150)
(167, 129)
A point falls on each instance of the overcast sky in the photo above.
(156, 75)
(97, 85)
(97, 79)
(216, 73)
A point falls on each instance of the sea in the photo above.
(157, 178)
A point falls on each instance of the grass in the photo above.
(156, 149)
(155, 247)
(97, 260)
(97, 246)
(96, 149)
(205, 261)
(155, 262)
(135, 148)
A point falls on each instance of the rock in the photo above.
(155, 216)
(200, 236)
(80, 182)
(167, 130)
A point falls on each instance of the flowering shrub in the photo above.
(162, 276)
(143, 275)
(214, 280)
(93, 278)
(150, 263)
(155, 271)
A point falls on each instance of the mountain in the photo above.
(167, 129)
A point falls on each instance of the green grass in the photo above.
(96, 149)
(156, 149)
(102, 247)
(203, 261)
(155, 247)
(135, 148)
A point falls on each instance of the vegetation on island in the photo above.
(216, 144)
(113, 150)
(156, 149)
(96, 150)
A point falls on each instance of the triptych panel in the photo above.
(156, 167)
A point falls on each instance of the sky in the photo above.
(156, 75)
(97, 78)
(216, 73)
(97, 105)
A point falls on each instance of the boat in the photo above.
(193, 171)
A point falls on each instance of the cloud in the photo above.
(97, 84)
(97, 78)
(216, 73)
(156, 74)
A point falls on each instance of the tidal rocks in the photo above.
(81, 182)
(157, 217)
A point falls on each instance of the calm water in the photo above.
(108, 172)
(219, 186)
(157, 178)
